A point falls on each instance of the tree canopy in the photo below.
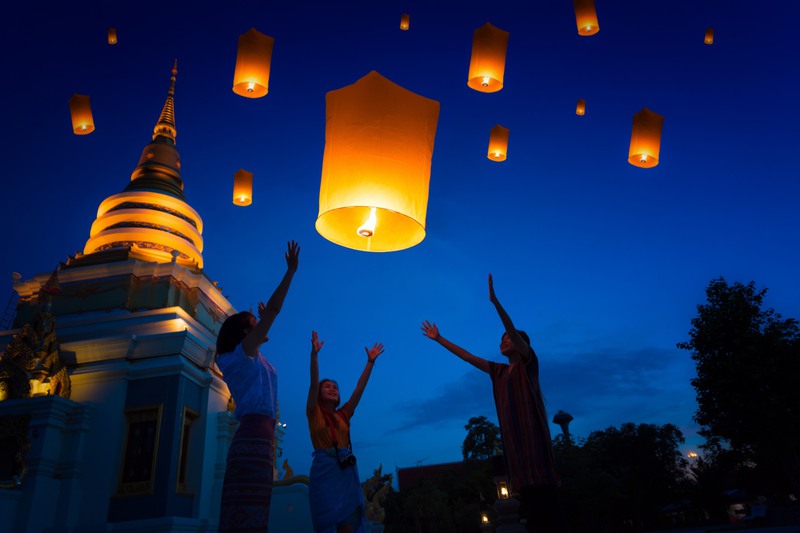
(748, 363)
(482, 440)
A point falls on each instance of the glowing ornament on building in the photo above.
(253, 58)
(376, 166)
(487, 64)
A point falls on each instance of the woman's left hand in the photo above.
(374, 352)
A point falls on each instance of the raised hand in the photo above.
(292, 256)
(374, 352)
(316, 344)
(430, 330)
(492, 296)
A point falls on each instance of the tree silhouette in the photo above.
(482, 441)
(748, 361)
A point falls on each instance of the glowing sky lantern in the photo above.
(709, 39)
(112, 36)
(81, 111)
(251, 77)
(586, 17)
(243, 187)
(487, 64)
(645, 139)
(404, 21)
(580, 109)
(376, 166)
(498, 144)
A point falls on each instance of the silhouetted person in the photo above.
(524, 429)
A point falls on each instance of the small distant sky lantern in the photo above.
(645, 139)
(376, 166)
(498, 144)
(112, 36)
(404, 21)
(81, 111)
(586, 17)
(580, 109)
(243, 187)
(709, 36)
(251, 77)
(488, 62)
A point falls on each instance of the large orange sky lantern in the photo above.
(376, 166)
(645, 139)
(253, 58)
(81, 111)
(405, 21)
(580, 108)
(498, 144)
(487, 64)
(586, 17)
(243, 187)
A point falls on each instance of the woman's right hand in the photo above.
(316, 344)
(430, 330)
(292, 256)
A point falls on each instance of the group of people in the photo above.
(335, 497)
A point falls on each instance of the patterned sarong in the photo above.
(247, 487)
(334, 493)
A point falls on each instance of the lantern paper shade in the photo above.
(487, 64)
(404, 21)
(376, 165)
(81, 111)
(112, 36)
(498, 144)
(645, 139)
(580, 109)
(586, 17)
(251, 77)
(243, 187)
(709, 36)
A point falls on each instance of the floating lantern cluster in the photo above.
(380, 136)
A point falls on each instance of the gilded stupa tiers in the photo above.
(151, 216)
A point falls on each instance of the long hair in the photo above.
(319, 391)
(232, 331)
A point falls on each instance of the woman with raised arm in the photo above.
(524, 430)
(253, 384)
(335, 497)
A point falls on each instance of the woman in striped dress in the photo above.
(524, 429)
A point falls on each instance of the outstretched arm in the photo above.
(268, 312)
(516, 339)
(372, 354)
(431, 331)
(313, 387)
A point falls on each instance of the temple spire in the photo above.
(166, 122)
